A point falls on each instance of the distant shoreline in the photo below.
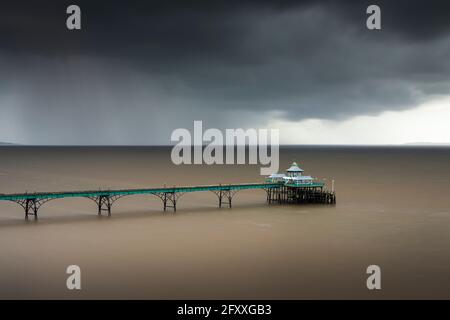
(406, 145)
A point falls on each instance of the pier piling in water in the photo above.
(294, 195)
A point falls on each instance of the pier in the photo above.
(293, 188)
(104, 199)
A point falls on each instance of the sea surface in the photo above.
(393, 210)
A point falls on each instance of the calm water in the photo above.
(393, 210)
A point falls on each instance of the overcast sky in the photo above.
(138, 70)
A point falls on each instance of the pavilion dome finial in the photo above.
(294, 168)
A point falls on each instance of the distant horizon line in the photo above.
(412, 144)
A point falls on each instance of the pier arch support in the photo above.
(169, 199)
(31, 205)
(225, 196)
(105, 201)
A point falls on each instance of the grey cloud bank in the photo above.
(138, 70)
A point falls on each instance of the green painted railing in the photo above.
(306, 185)
(97, 193)
(313, 184)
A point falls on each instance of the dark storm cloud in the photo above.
(138, 69)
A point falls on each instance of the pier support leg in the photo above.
(316, 195)
(274, 194)
(172, 198)
(227, 194)
(165, 201)
(31, 208)
(105, 201)
(104, 204)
